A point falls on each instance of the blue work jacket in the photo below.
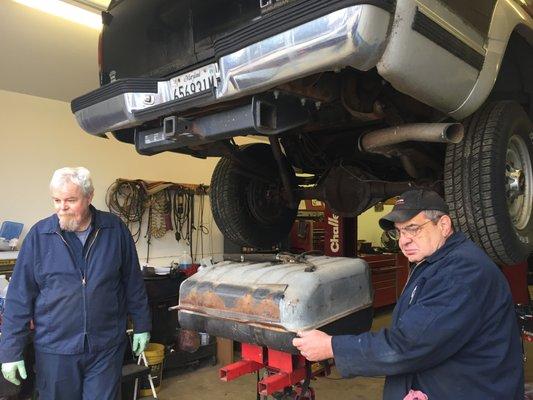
(454, 333)
(75, 302)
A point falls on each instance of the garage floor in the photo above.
(203, 383)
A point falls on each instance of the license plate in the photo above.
(199, 80)
(154, 138)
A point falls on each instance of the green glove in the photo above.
(140, 340)
(9, 370)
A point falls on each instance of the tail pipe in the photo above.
(438, 133)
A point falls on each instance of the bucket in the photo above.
(155, 355)
(204, 339)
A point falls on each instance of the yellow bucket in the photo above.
(155, 355)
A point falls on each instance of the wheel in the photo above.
(488, 181)
(247, 203)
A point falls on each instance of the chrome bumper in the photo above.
(353, 36)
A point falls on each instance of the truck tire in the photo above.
(488, 181)
(250, 209)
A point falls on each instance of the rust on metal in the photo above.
(267, 308)
(206, 299)
(257, 303)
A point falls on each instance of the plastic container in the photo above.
(204, 339)
(4, 244)
(184, 261)
(4, 283)
(155, 355)
(11, 230)
(3, 293)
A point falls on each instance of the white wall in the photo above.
(39, 135)
(368, 225)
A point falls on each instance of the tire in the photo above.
(488, 181)
(250, 210)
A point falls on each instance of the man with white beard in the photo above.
(77, 276)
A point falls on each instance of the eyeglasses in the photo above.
(409, 231)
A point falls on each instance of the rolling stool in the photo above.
(7, 389)
(132, 372)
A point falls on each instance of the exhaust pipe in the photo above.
(438, 133)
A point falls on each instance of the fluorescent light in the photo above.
(66, 11)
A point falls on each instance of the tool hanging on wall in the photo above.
(169, 206)
(201, 229)
(127, 199)
(183, 215)
(158, 216)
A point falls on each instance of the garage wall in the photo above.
(367, 225)
(40, 135)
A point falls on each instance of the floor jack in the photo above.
(286, 376)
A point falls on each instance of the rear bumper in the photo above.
(354, 36)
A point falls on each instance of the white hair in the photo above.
(434, 215)
(79, 176)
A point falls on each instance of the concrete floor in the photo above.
(203, 383)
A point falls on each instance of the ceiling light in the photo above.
(66, 11)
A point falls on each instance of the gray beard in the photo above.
(68, 223)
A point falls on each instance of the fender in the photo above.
(508, 16)
(437, 56)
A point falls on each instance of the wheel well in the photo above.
(515, 81)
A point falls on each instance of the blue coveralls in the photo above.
(454, 333)
(79, 299)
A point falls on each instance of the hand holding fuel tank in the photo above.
(314, 345)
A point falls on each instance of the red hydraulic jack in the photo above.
(286, 373)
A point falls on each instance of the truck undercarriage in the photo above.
(342, 113)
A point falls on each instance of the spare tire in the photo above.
(247, 198)
(488, 181)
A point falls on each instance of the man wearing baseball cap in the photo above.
(453, 332)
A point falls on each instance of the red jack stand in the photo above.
(284, 372)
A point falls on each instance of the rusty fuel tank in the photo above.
(266, 303)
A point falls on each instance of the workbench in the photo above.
(7, 262)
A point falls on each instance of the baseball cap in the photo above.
(410, 203)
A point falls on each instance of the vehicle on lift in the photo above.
(365, 97)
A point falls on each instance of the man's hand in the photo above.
(9, 370)
(314, 345)
(140, 340)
